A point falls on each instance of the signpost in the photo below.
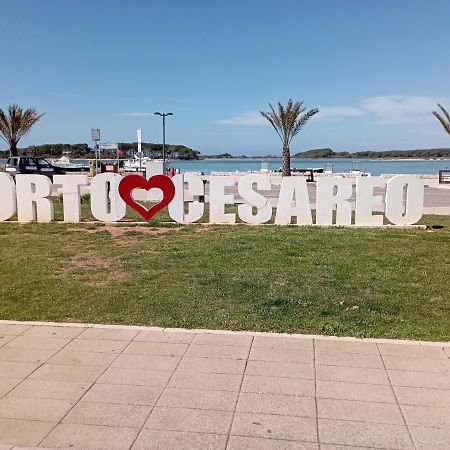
(139, 138)
(95, 137)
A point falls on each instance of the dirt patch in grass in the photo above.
(117, 231)
(92, 269)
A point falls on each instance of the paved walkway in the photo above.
(148, 388)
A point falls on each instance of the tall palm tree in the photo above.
(445, 121)
(287, 122)
(16, 124)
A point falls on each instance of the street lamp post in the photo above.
(164, 115)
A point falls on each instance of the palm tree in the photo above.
(287, 122)
(444, 121)
(16, 124)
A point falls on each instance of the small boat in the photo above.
(360, 173)
(69, 166)
(136, 164)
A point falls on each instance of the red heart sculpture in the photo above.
(130, 182)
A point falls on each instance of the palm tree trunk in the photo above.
(13, 150)
(286, 166)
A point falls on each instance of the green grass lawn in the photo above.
(363, 282)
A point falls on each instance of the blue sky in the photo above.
(374, 68)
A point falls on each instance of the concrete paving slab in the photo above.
(280, 369)
(78, 358)
(218, 339)
(108, 414)
(187, 379)
(23, 432)
(352, 391)
(135, 377)
(4, 339)
(13, 329)
(287, 355)
(364, 434)
(124, 394)
(164, 336)
(412, 351)
(217, 351)
(71, 373)
(9, 369)
(149, 362)
(359, 410)
(25, 355)
(251, 443)
(351, 374)
(198, 399)
(417, 364)
(284, 405)
(349, 359)
(419, 379)
(56, 390)
(42, 409)
(7, 385)
(178, 440)
(426, 416)
(51, 331)
(431, 438)
(271, 426)
(362, 347)
(213, 365)
(422, 396)
(97, 345)
(96, 386)
(278, 385)
(195, 420)
(283, 343)
(108, 334)
(38, 342)
(80, 436)
(156, 348)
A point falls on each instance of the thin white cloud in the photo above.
(400, 109)
(339, 111)
(388, 109)
(137, 114)
(252, 118)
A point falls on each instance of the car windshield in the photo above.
(43, 162)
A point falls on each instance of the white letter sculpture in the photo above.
(32, 198)
(104, 187)
(413, 210)
(293, 202)
(71, 195)
(254, 199)
(195, 188)
(8, 200)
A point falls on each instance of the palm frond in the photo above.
(301, 122)
(445, 121)
(444, 111)
(17, 123)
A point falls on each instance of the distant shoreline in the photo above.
(275, 158)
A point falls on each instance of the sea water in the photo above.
(374, 166)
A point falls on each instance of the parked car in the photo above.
(31, 165)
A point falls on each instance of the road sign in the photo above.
(139, 136)
(108, 146)
(95, 134)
